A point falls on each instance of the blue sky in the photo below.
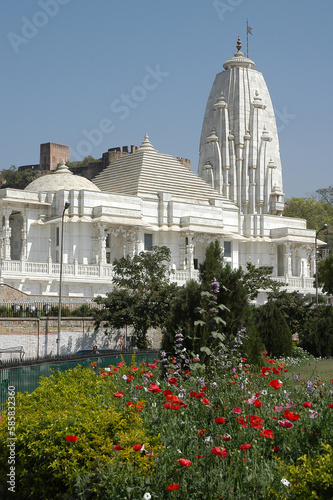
(96, 75)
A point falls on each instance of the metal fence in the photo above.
(49, 308)
(26, 377)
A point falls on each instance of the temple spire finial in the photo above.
(239, 44)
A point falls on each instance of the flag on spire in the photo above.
(249, 30)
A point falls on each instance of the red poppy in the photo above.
(245, 446)
(196, 359)
(276, 448)
(139, 387)
(267, 433)
(117, 447)
(290, 415)
(171, 406)
(217, 451)
(236, 410)
(206, 401)
(134, 368)
(256, 422)
(173, 487)
(166, 392)
(276, 371)
(172, 397)
(226, 437)
(220, 420)
(137, 447)
(202, 432)
(154, 388)
(71, 439)
(330, 405)
(187, 372)
(204, 388)
(184, 462)
(120, 364)
(173, 380)
(118, 394)
(193, 394)
(233, 382)
(276, 384)
(257, 403)
(307, 404)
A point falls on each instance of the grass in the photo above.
(316, 369)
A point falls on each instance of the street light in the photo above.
(67, 204)
(316, 259)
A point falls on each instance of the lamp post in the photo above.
(67, 204)
(316, 259)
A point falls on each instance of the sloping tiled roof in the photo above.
(148, 172)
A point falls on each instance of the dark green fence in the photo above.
(26, 378)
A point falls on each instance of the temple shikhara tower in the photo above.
(142, 197)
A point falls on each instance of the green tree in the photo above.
(144, 296)
(273, 329)
(82, 163)
(293, 307)
(325, 274)
(17, 179)
(316, 336)
(212, 265)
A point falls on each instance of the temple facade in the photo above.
(149, 198)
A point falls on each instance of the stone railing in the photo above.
(11, 268)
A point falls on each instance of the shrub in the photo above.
(274, 330)
(311, 477)
(74, 403)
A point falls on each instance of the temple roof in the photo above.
(61, 179)
(148, 172)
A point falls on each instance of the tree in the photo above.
(145, 295)
(293, 307)
(212, 265)
(17, 179)
(82, 163)
(325, 274)
(316, 336)
(273, 329)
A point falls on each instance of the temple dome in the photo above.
(61, 179)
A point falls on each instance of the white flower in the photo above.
(285, 481)
(264, 393)
(147, 496)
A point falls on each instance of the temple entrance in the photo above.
(16, 226)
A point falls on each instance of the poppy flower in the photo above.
(154, 388)
(117, 447)
(206, 401)
(290, 415)
(120, 364)
(226, 437)
(137, 447)
(220, 420)
(171, 406)
(276, 448)
(245, 446)
(257, 403)
(71, 439)
(134, 368)
(286, 423)
(276, 384)
(173, 381)
(172, 397)
(267, 433)
(118, 394)
(236, 410)
(217, 451)
(202, 432)
(184, 462)
(196, 360)
(173, 487)
(166, 392)
(307, 404)
(256, 422)
(193, 394)
(139, 387)
(330, 405)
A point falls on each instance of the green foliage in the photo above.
(82, 163)
(145, 297)
(77, 402)
(212, 265)
(325, 274)
(258, 278)
(317, 334)
(311, 477)
(273, 329)
(17, 179)
(293, 307)
(315, 212)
